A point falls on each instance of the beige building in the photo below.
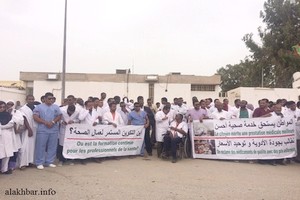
(123, 84)
(253, 94)
(12, 90)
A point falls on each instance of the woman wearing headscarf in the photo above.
(17, 118)
(6, 138)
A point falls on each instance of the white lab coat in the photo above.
(86, 117)
(108, 117)
(223, 114)
(162, 125)
(66, 118)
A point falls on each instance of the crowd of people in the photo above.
(32, 135)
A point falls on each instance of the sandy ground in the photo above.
(154, 178)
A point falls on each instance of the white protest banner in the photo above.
(85, 141)
(255, 138)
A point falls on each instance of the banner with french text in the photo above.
(244, 139)
(85, 141)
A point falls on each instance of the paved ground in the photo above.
(157, 179)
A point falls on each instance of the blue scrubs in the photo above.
(46, 138)
(138, 119)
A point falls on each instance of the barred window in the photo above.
(151, 91)
(203, 87)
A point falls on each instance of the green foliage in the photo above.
(274, 58)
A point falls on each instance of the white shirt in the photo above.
(181, 109)
(124, 115)
(290, 113)
(233, 110)
(183, 126)
(86, 117)
(162, 125)
(109, 118)
(223, 114)
(66, 118)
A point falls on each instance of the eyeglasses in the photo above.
(2, 106)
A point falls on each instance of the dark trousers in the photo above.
(171, 143)
(153, 133)
(59, 154)
(12, 161)
(148, 141)
(159, 148)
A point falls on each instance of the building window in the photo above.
(203, 87)
(151, 91)
(223, 94)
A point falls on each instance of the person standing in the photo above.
(138, 117)
(28, 137)
(163, 119)
(103, 97)
(149, 138)
(18, 120)
(263, 108)
(89, 115)
(243, 111)
(47, 115)
(219, 113)
(124, 112)
(69, 116)
(6, 138)
(197, 113)
(112, 117)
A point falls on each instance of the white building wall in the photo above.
(171, 91)
(205, 94)
(12, 94)
(252, 95)
(86, 89)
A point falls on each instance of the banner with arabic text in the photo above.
(85, 141)
(255, 138)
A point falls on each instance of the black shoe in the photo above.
(282, 163)
(83, 162)
(273, 163)
(174, 160)
(97, 160)
(7, 172)
(164, 156)
(150, 154)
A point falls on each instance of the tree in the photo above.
(242, 74)
(274, 60)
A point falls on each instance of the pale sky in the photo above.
(148, 36)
